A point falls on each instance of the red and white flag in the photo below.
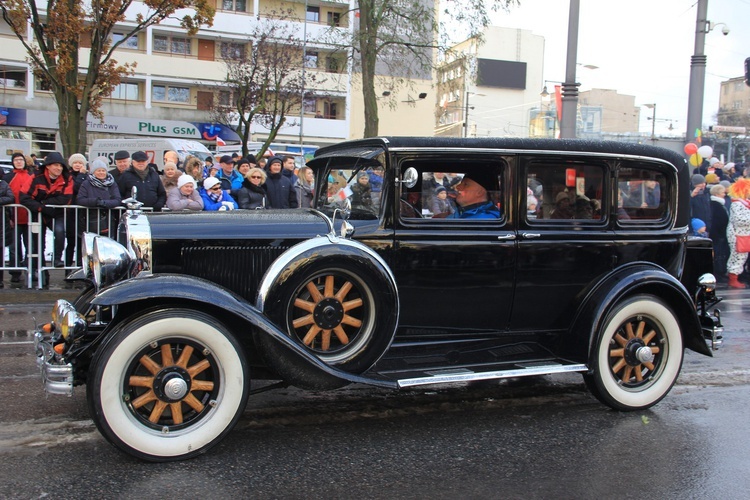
(220, 141)
(344, 193)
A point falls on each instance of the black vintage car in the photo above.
(425, 261)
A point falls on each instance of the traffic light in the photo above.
(747, 71)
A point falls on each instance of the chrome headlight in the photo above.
(59, 310)
(73, 325)
(110, 261)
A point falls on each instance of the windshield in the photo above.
(355, 181)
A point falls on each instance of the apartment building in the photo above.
(489, 89)
(178, 79)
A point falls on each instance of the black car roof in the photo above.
(571, 145)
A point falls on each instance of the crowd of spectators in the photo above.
(720, 210)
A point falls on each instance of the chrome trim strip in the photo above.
(56, 378)
(466, 375)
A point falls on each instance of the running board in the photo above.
(467, 375)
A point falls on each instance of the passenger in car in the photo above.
(563, 209)
(362, 192)
(473, 201)
(441, 205)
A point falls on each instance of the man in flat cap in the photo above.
(122, 163)
(146, 180)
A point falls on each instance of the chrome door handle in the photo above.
(531, 235)
(506, 237)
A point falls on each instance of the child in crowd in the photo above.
(699, 228)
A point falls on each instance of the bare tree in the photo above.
(266, 79)
(65, 26)
(402, 39)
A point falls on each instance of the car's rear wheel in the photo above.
(637, 356)
(168, 385)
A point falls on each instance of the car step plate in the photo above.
(467, 375)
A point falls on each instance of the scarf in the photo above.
(108, 181)
(216, 197)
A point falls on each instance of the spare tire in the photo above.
(338, 300)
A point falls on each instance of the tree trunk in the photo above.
(72, 124)
(368, 50)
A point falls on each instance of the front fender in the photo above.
(626, 281)
(180, 287)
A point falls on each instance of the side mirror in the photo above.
(410, 177)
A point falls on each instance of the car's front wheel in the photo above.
(168, 385)
(637, 356)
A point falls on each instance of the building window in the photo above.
(311, 59)
(232, 51)
(12, 78)
(332, 65)
(235, 5)
(334, 19)
(310, 105)
(225, 98)
(126, 91)
(171, 94)
(313, 14)
(173, 45)
(737, 105)
(130, 43)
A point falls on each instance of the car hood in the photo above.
(237, 224)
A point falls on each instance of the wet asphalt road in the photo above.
(527, 438)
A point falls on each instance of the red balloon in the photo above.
(691, 148)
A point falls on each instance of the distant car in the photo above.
(599, 277)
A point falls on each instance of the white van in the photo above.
(154, 148)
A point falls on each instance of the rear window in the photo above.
(642, 196)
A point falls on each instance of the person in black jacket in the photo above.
(252, 195)
(52, 185)
(146, 180)
(281, 193)
(700, 201)
(719, 219)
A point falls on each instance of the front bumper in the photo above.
(57, 375)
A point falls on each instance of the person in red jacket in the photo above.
(53, 185)
(19, 179)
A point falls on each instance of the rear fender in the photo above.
(629, 280)
(186, 288)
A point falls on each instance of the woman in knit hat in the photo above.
(99, 192)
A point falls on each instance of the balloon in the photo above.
(705, 151)
(691, 148)
(695, 159)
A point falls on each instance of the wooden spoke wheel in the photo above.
(171, 384)
(168, 384)
(635, 352)
(638, 355)
(332, 313)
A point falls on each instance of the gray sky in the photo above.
(642, 48)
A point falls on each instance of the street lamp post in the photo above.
(652, 107)
(570, 87)
(466, 112)
(698, 71)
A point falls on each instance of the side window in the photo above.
(558, 192)
(642, 196)
(360, 184)
(460, 188)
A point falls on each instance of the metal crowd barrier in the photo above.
(34, 248)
